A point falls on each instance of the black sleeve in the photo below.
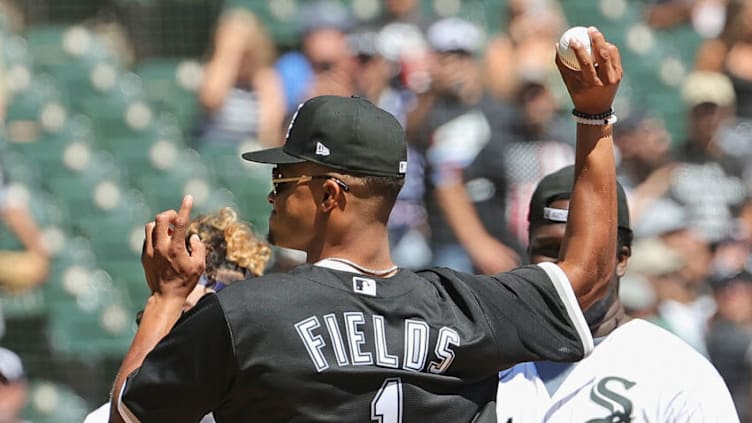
(187, 374)
(533, 315)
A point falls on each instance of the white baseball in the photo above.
(566, 54)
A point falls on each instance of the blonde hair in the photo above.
(231, 244)
(258, 42)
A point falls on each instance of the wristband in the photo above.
(584, 115)
(606, 121)
(605, 118)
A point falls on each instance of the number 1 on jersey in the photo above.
(386, 406)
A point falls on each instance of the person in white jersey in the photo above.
(637, 371)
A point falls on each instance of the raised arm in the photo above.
(589, 248)
(171, 272)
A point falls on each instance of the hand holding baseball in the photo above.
(566, 54)
(171, 270)
(593, 87)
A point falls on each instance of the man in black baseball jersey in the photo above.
(349, 336)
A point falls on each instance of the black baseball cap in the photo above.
(558, 186)
(345, 133)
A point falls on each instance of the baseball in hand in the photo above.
(566, 54)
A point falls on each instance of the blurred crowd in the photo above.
(484, 124)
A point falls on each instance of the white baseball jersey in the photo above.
(638, 373)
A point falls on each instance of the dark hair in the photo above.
(624, 237)
(388, 187)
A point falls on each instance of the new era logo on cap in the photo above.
(321, 149)
(364, 286)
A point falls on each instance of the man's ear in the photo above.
(622, 259)
(329, 199)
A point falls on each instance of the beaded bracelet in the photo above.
(605, 118)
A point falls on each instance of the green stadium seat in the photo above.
(117, 232)
(249, 183)
(36, 106)
(52, 152)
(171, 85)
(95, 321)
(46, 45)
(73, 259)
(165, 184)
(89, 185)
(15, 52)
(118, 110)
(128, 276)
(56, 46)
(20, 169)
(140, 152)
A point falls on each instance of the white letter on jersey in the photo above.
(356, 338)
(337, 343)
(416, 345)
(383, 358)
(447, 337)
(312, 343)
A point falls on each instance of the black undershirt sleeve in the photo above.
(187, 374)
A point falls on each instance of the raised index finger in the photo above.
(181, 222)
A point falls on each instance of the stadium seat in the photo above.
(117, 232)
(119, 110)
(174, 175)
(145, 150)
(250, 183)
(171, 85)
(51, 150)
(88, 185)
(36, 105)
(96, 311)
(15, 52)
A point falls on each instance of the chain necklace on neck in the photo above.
(374, 272)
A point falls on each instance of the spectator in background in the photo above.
(524, 49)
(241, 93)
(407, 223)
(730, 337)
(683, 305)
(324, 64)
(462, 138)
(644, 167)
(643, 147)
(519, 68)
(20, 270)
(668, 236)
(540, 143)
(707, 181)
(13, 387)
(731, 53)
(403, 11)
(668, 13)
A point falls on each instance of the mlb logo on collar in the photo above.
(364, 286)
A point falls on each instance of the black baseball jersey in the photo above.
(324, 345)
